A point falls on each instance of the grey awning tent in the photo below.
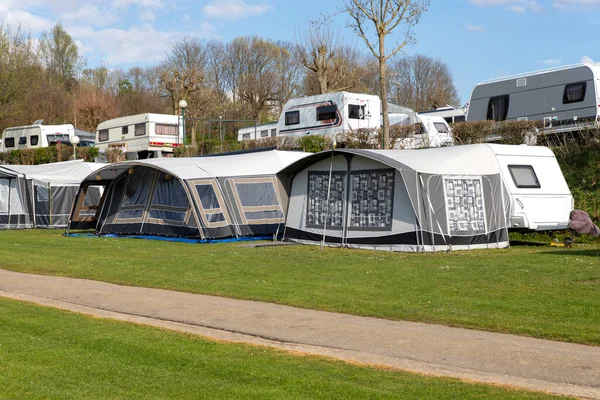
(200, 197)
(400, 200)
(40, 196)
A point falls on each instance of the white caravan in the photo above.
(435, 132)
(564, 98)
(540, 197)
(36, 136)
(142, 135)
(335, 113)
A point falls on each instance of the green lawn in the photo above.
(540, 291)
(51, 354)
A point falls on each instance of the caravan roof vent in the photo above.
(521, 82)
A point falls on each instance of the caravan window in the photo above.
(441, 128)
(246, 136)
(498, 108)
(264, 133)
(356, 112)
(273, 132)
(524, 176)
(319, 213)
(163, 129)
(140, 129)
(9, 142)
(103, 135)
(124, 130)
(574, 93)
(326, 113)
(292, 117)
(23, 140)
(34, 140)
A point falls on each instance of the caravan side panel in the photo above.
(538, 96)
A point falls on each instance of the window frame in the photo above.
(504, 112)
(571, 85)
(204, 212)
(31, 140)
(124, 130)
(292, 117)
(232, 182)
(10, 140)
(437, 126)
(264, 133)
(524, 166)
(172, 127)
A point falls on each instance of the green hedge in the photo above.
(45, 155)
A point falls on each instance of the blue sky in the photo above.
(477, 39)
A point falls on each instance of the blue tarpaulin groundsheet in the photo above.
(174, 239)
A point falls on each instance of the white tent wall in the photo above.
(14, 205)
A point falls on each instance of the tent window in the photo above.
(130, 214)
(574, 92)
(208, 197)
(137, 187)
(167, 215)
(465, 206)
(4, 191)
(257, 194)
(524, 176)
(326, 113)
(91, 201)
(169, 192)
(260, 215)
(498, 108)
(217, 217)
(42, 194)
(372, 199)
(319, 211)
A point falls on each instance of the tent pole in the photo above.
(9, 186)
(327, 203)
(50, 203)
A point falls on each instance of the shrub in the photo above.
(314, 143)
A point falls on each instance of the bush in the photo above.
(314, 143)
(472, 131)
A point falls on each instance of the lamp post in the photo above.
(74, 140)
(183, 105)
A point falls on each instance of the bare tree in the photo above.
(422, 83)
(385, 16)
(253, 68)
(94, 106)
(332, 64)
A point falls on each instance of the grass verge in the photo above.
(534, 290)
(51, 354)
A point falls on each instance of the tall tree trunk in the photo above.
(383, 92)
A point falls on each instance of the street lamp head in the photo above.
(182, 104)
(74, 140)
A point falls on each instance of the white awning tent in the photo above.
(200, 197)
(40, 196)
(399, 200)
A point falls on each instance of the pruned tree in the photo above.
(422, 83)
(385, 16)
(332, 65)
(61, 56)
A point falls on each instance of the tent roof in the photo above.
(244, 164)
(65, 171)
(471, 159)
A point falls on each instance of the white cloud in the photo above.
(475, 28)
(24, 19)
(234, 9)
(589, 60)
(516, 6)
(575, 5)
(551, 62)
